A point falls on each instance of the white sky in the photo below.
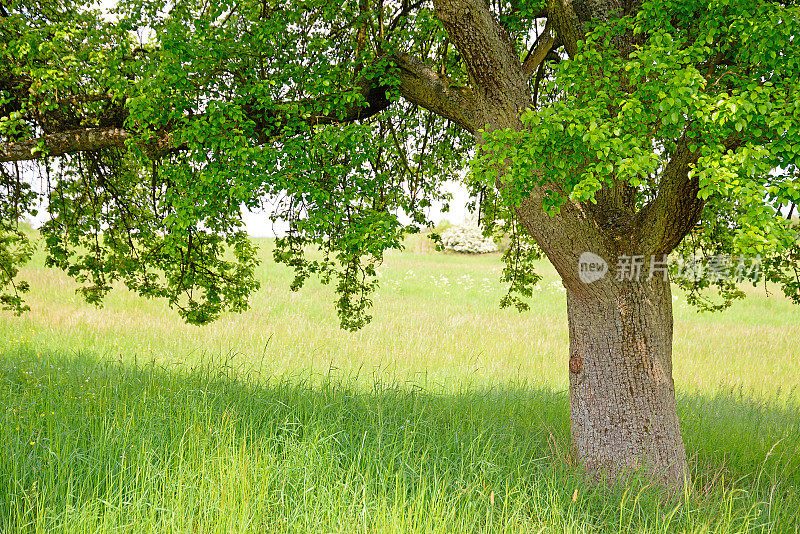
(258, 224)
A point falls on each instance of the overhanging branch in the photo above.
(96, 138)
(418, 84)
(60, 143)
(423, 86)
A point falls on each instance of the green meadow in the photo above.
(445, 414)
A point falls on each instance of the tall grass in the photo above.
(445, 414)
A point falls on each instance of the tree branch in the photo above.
(498, 81)
(573, 18)
(676, 209)
(421, 85)
(88, 139)
(60, 143)
(544, 43)
(404, 11)
(418, 84)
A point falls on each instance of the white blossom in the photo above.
(467, 238)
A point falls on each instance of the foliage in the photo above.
(620, 120)
(15, 250)
(168, 224)
(296, 106)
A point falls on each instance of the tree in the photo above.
(605, 131)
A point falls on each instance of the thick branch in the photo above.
(572, 19)
(666, 219)
(544, 43)
(421, 85)
(499, 83)
(60, 143)
(569, 27)
(87, 139)
(676, 209)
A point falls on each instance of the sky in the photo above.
(257, 224)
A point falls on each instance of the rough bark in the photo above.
(421, 85)
(669, 217)
(663, 223)
(498, 80)
(622, 396)
(573, 18)
(564, 237)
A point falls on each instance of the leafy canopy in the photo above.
(255, 96)
(296, 105)
(723, 77)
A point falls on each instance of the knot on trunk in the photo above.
(575, 364)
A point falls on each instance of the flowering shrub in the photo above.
(467, 238)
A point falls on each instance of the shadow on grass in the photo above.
(98, 445)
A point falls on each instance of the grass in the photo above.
(446, 414)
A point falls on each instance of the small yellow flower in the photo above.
(33, 443)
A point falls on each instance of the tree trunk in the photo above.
(622, 396)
